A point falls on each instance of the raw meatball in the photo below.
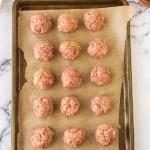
(93, 20)
(43, 79)
(43, 106)
(98, 48)
(69, 105)
(100, 75)
(71, 79)
(43, 50)
(105, 134)
(100, 105)
(74, 137)
(67, 22)
(41, 23)
(69, 50)
(42, 137)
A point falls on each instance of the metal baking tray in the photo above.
(126, 133)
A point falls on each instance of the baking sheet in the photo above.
(116, 20)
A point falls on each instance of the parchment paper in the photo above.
(114, 32)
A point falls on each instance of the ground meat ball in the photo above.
(105, 134)
(42, 137)
(43, 79)
(100, 75)
(67, 22)
(41, 23)
(93, 20)
(100, 105)
(71, 79)
(43, 106)
(69, 50)
(97, 48)
(69, 105)
(74, 137)
(43, 50)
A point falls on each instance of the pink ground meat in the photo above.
(67, 22)
(100, 75)
(74, 137)
(69, 105)
(93, 20)
(42, 137)
(43, 79)
(41, 23)
(97, 48)
(43, 50)
(69, 50)
(100, 105)
(105, 134)
(71, 79)
(43, 106)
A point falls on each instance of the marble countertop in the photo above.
(140, 46)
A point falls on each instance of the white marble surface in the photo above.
(140, 40)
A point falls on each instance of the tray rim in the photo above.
(129, 130)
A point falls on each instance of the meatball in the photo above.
(93, 20)
(67, 22)
(71, 79)
(69, 50)
(43, 79)
(100, 75)
(43, 50)
(43, 106)
(41, 23)
(105, 134)
(42, 137)
(100, 105)
(97, 48)
(69, 105)
(74, 137)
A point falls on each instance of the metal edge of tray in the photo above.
(127, 86)
(128, 89)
